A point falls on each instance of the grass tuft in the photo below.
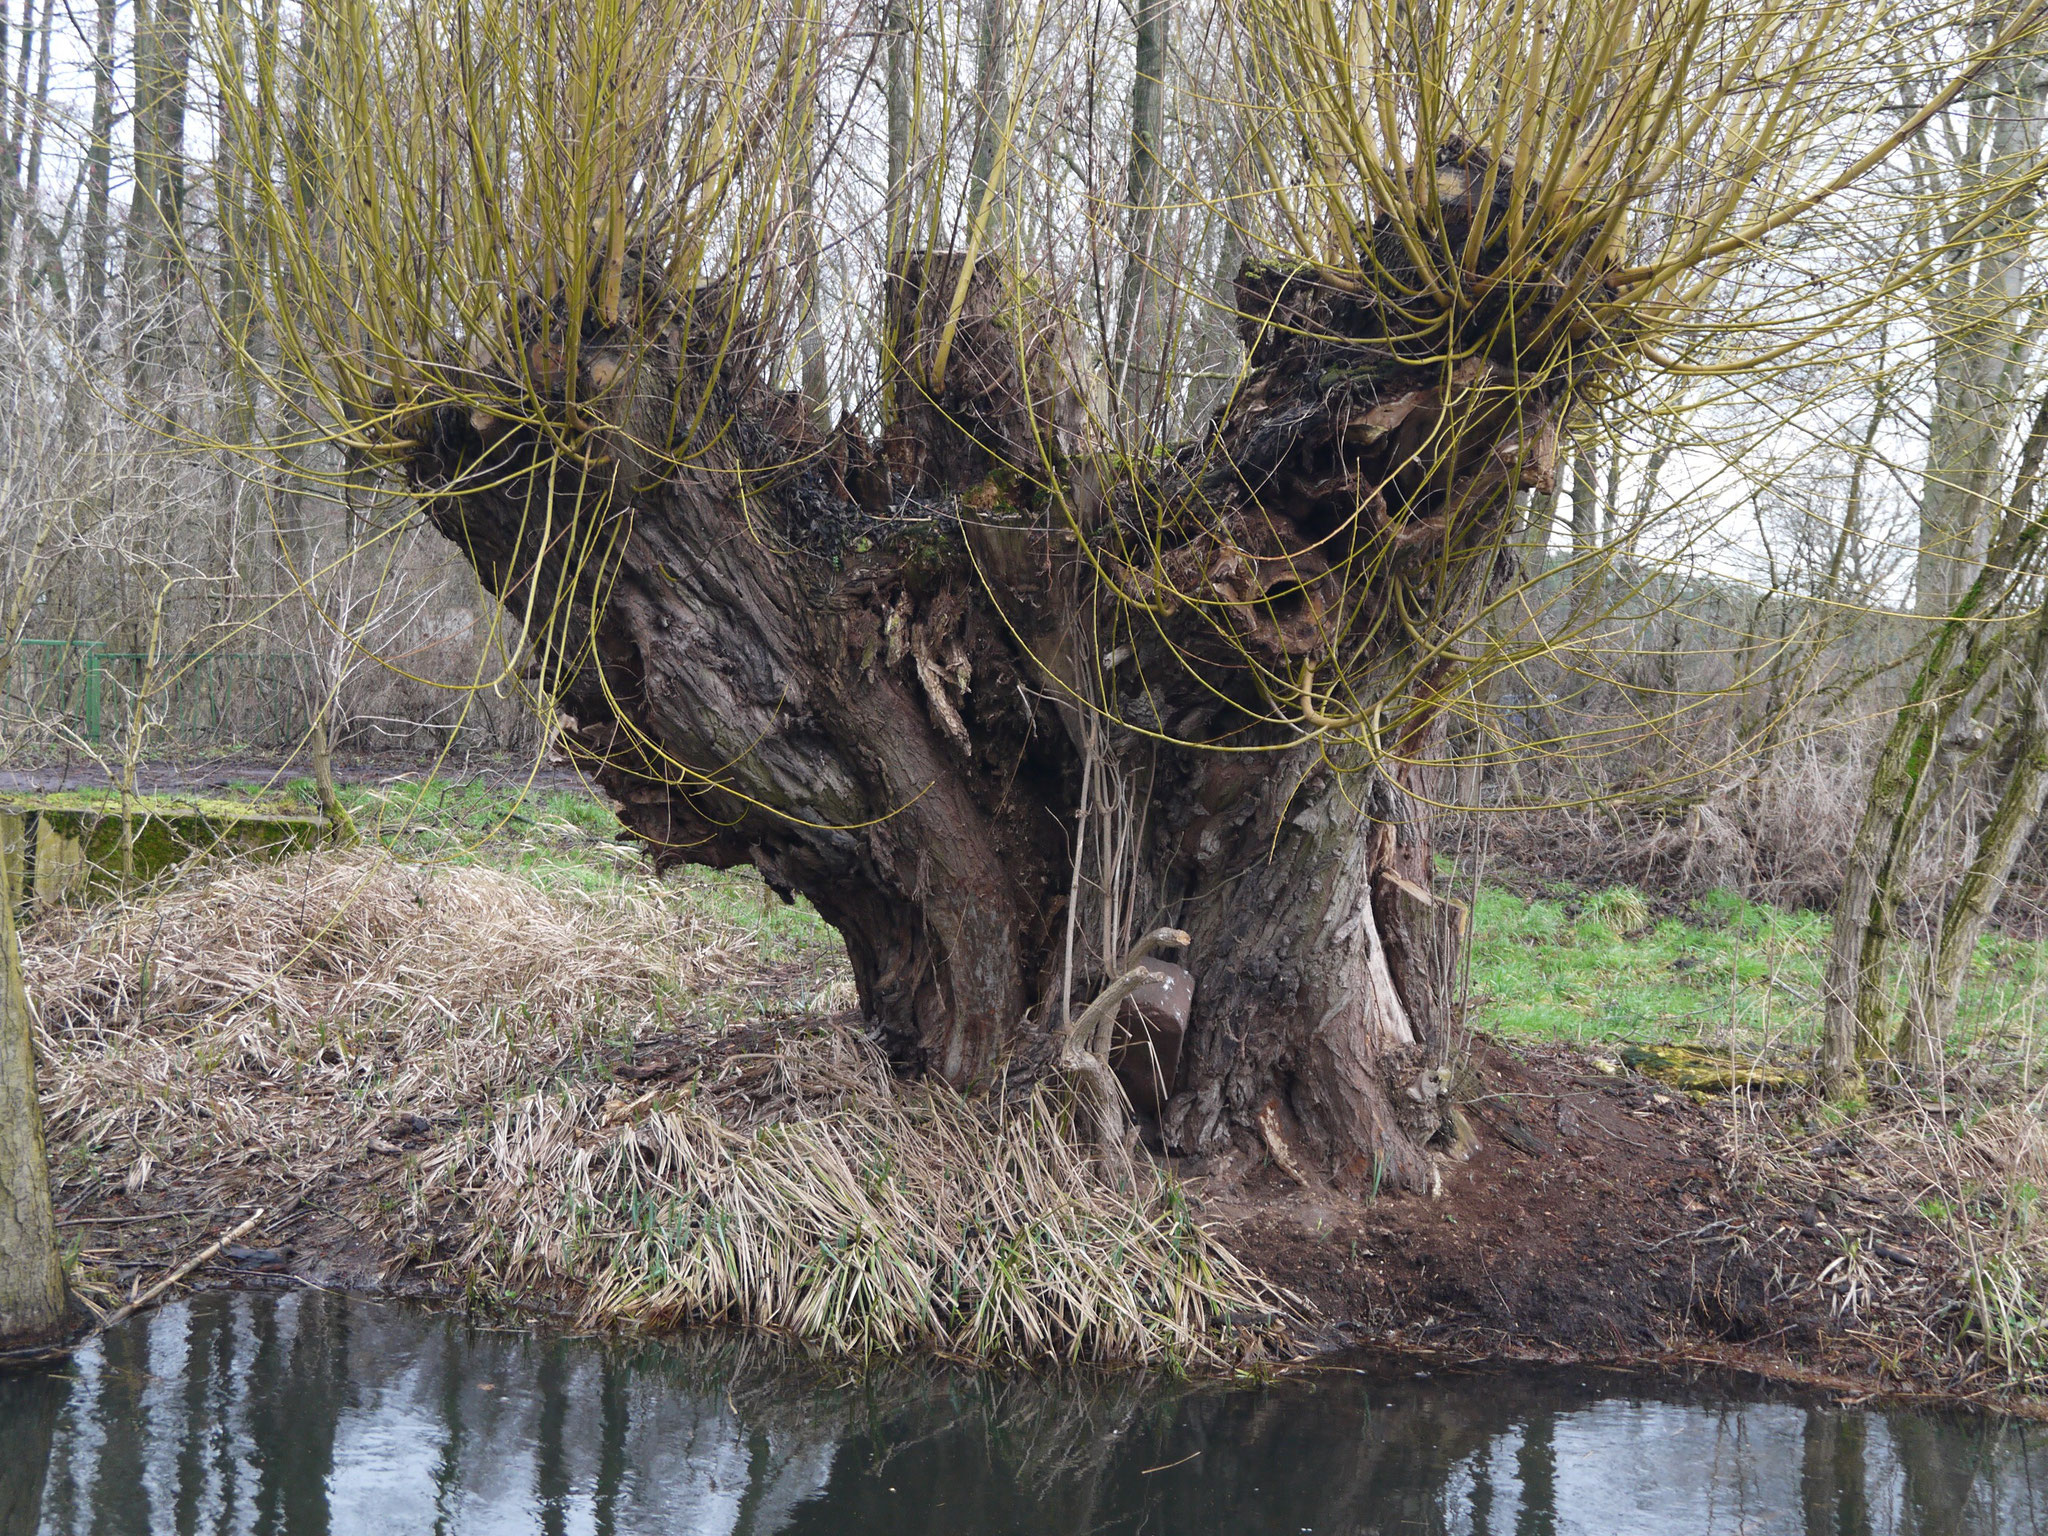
(1622, 910)
(856, 1214)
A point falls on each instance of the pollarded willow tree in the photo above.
(996, 683)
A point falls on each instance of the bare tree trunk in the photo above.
(896, 90)
(99, 171)
(2022, 763)
(1965, 432)
(1979, 303)
(36, 127)
(1962, 921)
(810, 280)
(1142, 187)
(146, 157)
(11, 202)
(1296, 925)
(1963, 652)
(1855, 1013)
(898, 62)
(341, 827)
(7, 102)
(991, 99)
(174, 44)
(1585, 534)
(1854, 1017)
(32, 1298)
(154, 266)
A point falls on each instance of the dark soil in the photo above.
(1607, 1219)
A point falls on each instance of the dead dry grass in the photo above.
(431, 1050)
(286, 1008)
(827, 1202)
(1976, 1169)
(1931, 1201)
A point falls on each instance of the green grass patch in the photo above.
(1593, 967)
(1597, 969)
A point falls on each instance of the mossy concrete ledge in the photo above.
(70, 842)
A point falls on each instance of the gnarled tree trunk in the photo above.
(885, 674)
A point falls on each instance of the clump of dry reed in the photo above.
(280, 1009)
(1774, 829)
(859, 1214)
(251, 1030)
(1978, 1171)
(1933, 1197)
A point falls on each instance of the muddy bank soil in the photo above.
(1610, 1218)
(1599, 1217)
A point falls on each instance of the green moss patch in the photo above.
(68, 846)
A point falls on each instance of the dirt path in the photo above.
(208, 775)
(1609, 1219)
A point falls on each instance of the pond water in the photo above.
(307, 1412)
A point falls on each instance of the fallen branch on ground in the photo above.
(128, 1309)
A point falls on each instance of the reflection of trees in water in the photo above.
(298, 1385)
(28, 1421)
(1536, 1466)
(210, 1344)
(119, 1464)
(247, 1414)
(1934, 1477)
(1939, 1471)
(241, 1414)
(1833, 1474)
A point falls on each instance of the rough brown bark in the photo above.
(32, 1299)
(881, 673)
(1312, 1003)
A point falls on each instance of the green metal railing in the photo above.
(56, 681)
(199, 698)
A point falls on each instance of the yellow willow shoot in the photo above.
(451, 199)
(1565, 187)
(1645, 139)
(1364, 273)
(449, 169)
